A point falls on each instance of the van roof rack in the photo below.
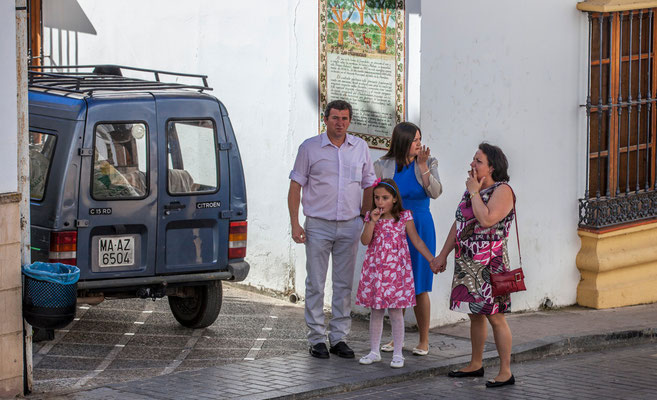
(87, 79)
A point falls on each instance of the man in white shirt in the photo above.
(333, 169)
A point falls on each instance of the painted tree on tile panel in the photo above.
(360, 6)
(338, 10)
(379, 11)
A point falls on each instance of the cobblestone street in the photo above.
(121, 340)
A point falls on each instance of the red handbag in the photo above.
(509, 281)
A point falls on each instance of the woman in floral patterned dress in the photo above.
(479, 235)
(386, 279)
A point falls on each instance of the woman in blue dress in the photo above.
(415, 172)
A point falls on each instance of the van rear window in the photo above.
(192, 157)
(42, 146)
(120, 161)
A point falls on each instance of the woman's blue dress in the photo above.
(415, 199)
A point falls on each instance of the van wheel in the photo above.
(200, 310)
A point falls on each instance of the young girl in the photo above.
(386, 279)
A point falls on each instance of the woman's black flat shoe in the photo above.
(494, 383)
(462, 374)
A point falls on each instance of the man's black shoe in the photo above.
(342, 350)
(319, 350)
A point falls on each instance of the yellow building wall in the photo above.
(618, 267)
(11, 314)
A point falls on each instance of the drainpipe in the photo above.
(23, 166)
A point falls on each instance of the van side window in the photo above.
(42, 147)
(120, 166)
(192, 157)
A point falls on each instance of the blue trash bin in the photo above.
(49, 294)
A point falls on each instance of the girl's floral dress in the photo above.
(386, 280)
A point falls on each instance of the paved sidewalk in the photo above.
(536, 335)
(627, 372)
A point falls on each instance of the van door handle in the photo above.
(174, 206)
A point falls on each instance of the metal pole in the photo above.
(23, 166)
(649, 116)
(629, 106)
(588, 113)
(638, 110)
(620, 104)
(609, 103)
(650, 95)
(599, 112)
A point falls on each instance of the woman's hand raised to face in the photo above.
(473, 183)
(423, 155)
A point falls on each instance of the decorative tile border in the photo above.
(374, 141)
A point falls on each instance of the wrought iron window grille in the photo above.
(621, 179)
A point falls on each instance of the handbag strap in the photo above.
(515, 220)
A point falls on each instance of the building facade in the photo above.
(514, 73)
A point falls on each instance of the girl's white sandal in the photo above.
(397, 362)
(369, 359)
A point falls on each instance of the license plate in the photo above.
(116, 251)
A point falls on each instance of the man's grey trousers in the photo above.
(340, 240)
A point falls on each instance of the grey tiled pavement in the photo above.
(536, 335)
(617, 373)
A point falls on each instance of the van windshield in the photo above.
(120, 161)
(42, 146)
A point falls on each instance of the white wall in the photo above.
(8, 155)
(261, 59)
(508, 72)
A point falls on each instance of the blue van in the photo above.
(139, 183)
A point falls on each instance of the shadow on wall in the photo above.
(63, 20)
(312, 88)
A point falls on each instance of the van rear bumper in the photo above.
(237, 271)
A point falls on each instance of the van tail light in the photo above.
(63, 247)
(237, 239)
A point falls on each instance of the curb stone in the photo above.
(561, 345)
(542, 348)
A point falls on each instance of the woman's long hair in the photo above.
(391, 187)
(400, 143)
